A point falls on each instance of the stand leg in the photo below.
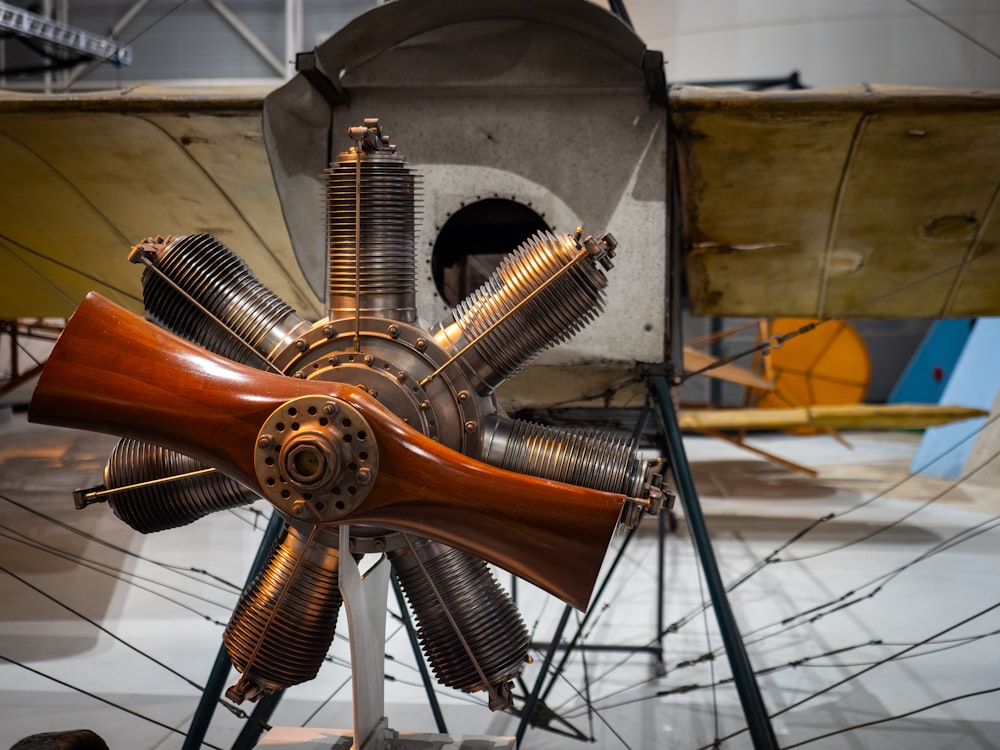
(758, 721)
(365, 602)
(220, 670)
(257, 724)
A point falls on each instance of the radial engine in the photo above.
(439, 379)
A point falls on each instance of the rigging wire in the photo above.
(855, 675)
(691, 663)
(773, 558)
(117, 574)
(833, 606)
(842, 603)
(98, 698)
(886, 719)
(950, 644)
(945, 22)
(805, 661)
(864, 537)
(178, 569)
(675, 626)
(68, 267)
(764, 347)
(94, 623)
(839, 603)
(708, 641)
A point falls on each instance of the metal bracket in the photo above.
(653, 498)
(333, 95)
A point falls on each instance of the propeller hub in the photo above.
(316, 458)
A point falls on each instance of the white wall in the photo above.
(831, 42)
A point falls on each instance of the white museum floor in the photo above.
(91, 611)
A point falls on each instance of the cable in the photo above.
(68, 267)
(864, 537)
(887, 719)
(842, 603)
(764, 347)
(89, 621)
(964, 34)
(773, 556)
(96, 567)
(122, 550)
(838, 604)
(105, 701)
(861, 672)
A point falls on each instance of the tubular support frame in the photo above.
(758, 721)
(216, 683)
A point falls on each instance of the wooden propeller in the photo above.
(113, 372)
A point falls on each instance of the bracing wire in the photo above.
(961, 32)
(105, 701)
(98, 626)
(68, 267)
(772, 558)
(896, 717)
(840, 603)
(814, 614)
(800, 662)
(198, 574)
(869, 668)
(117, 573)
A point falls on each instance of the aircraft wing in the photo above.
(86, 176)
(850, 417)
(858, 202)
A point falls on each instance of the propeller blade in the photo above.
(112, 371)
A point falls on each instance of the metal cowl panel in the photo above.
(542, 107)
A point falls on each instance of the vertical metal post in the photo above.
(220, 670)
(758, 722)
(661, 583)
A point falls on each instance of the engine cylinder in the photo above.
(370, 235)
(168, 504)
(439, 581)
(540, 295)
(588, 458)
(221, 282)
(283, 625)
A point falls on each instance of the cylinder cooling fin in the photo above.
(285, 620)
(198, 288)
(542, 294)
(161, 489)
(371, 211)
(469, 628)
(591, 458)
